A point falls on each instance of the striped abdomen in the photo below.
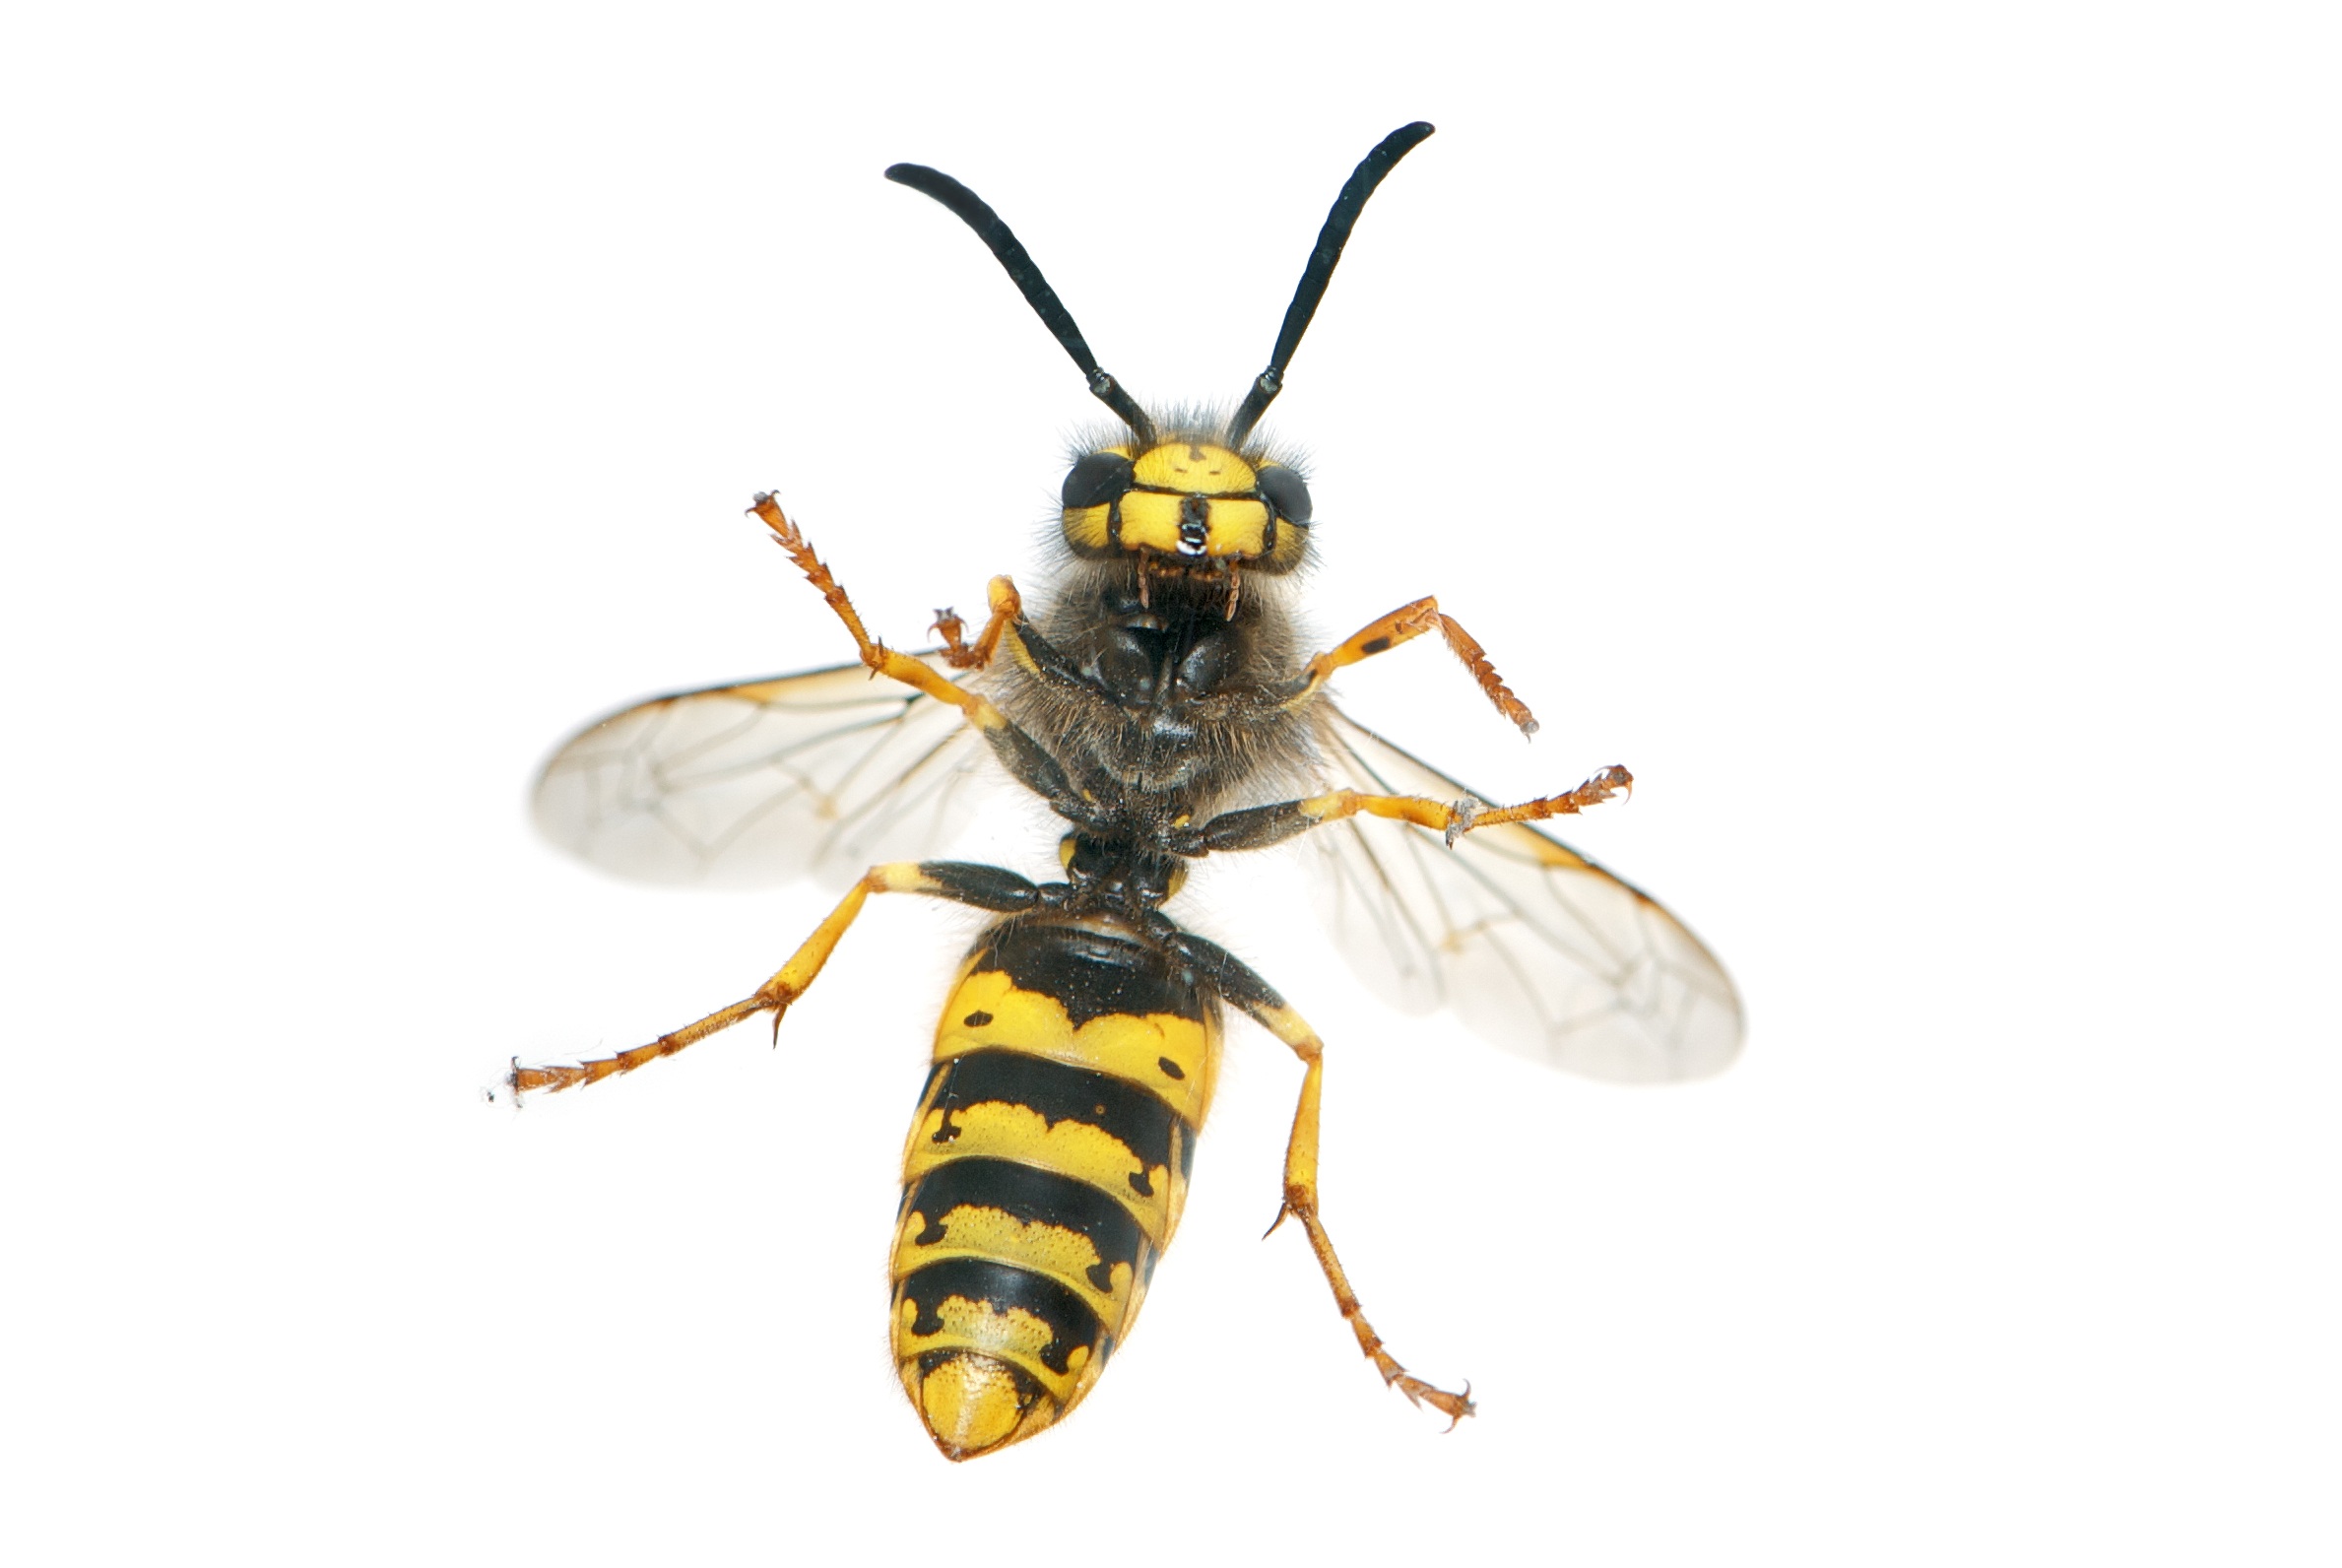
(1044, 1174)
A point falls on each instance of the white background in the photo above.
(1905, 437)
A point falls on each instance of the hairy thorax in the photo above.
(1176, 705)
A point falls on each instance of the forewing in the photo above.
(766, 781)
(1536, 947)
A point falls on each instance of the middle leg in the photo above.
(984, 887)
(1259, 826)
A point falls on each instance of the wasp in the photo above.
(1156, 698)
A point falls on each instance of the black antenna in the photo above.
(1018, 263)
(1320, 272)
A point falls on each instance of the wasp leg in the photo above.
(1259, 826)
(1040, 657)
(910, 671)
(1404, 625)
(984, 887)
(1035, 654)
(1006, 608)
(1023, 757)
(1236, 981)
(1005, 622)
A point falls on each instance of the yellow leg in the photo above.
(774, 996)
(1301, 1203)
(902, 667)
(1004, 606)
(1456, 818)
(1404, 625)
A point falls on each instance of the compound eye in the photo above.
(1097, 480)
(1283, 490)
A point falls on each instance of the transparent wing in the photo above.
(1536, 947)
(762, 782)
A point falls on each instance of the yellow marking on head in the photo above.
(1235, 528)
(1132, 1047)
(1292, 542)
(1197, 468)
(1150, 521)
(995, 1129)
(1086, 529)
(1066, 1256)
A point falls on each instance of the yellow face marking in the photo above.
(1066, 1256)
(998, 1131)
(1150, 522)
(1232, 527)
(1200, 469)
(1292, 542)
(1168, 479)
(1236, 528)
(1086, 529)
(1130, 1046)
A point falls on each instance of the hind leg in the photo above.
(1251, 993)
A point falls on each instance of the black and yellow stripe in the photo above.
(1045, 1173)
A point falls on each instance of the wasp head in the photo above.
(1186, 500)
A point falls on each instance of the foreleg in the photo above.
(1404, 625)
